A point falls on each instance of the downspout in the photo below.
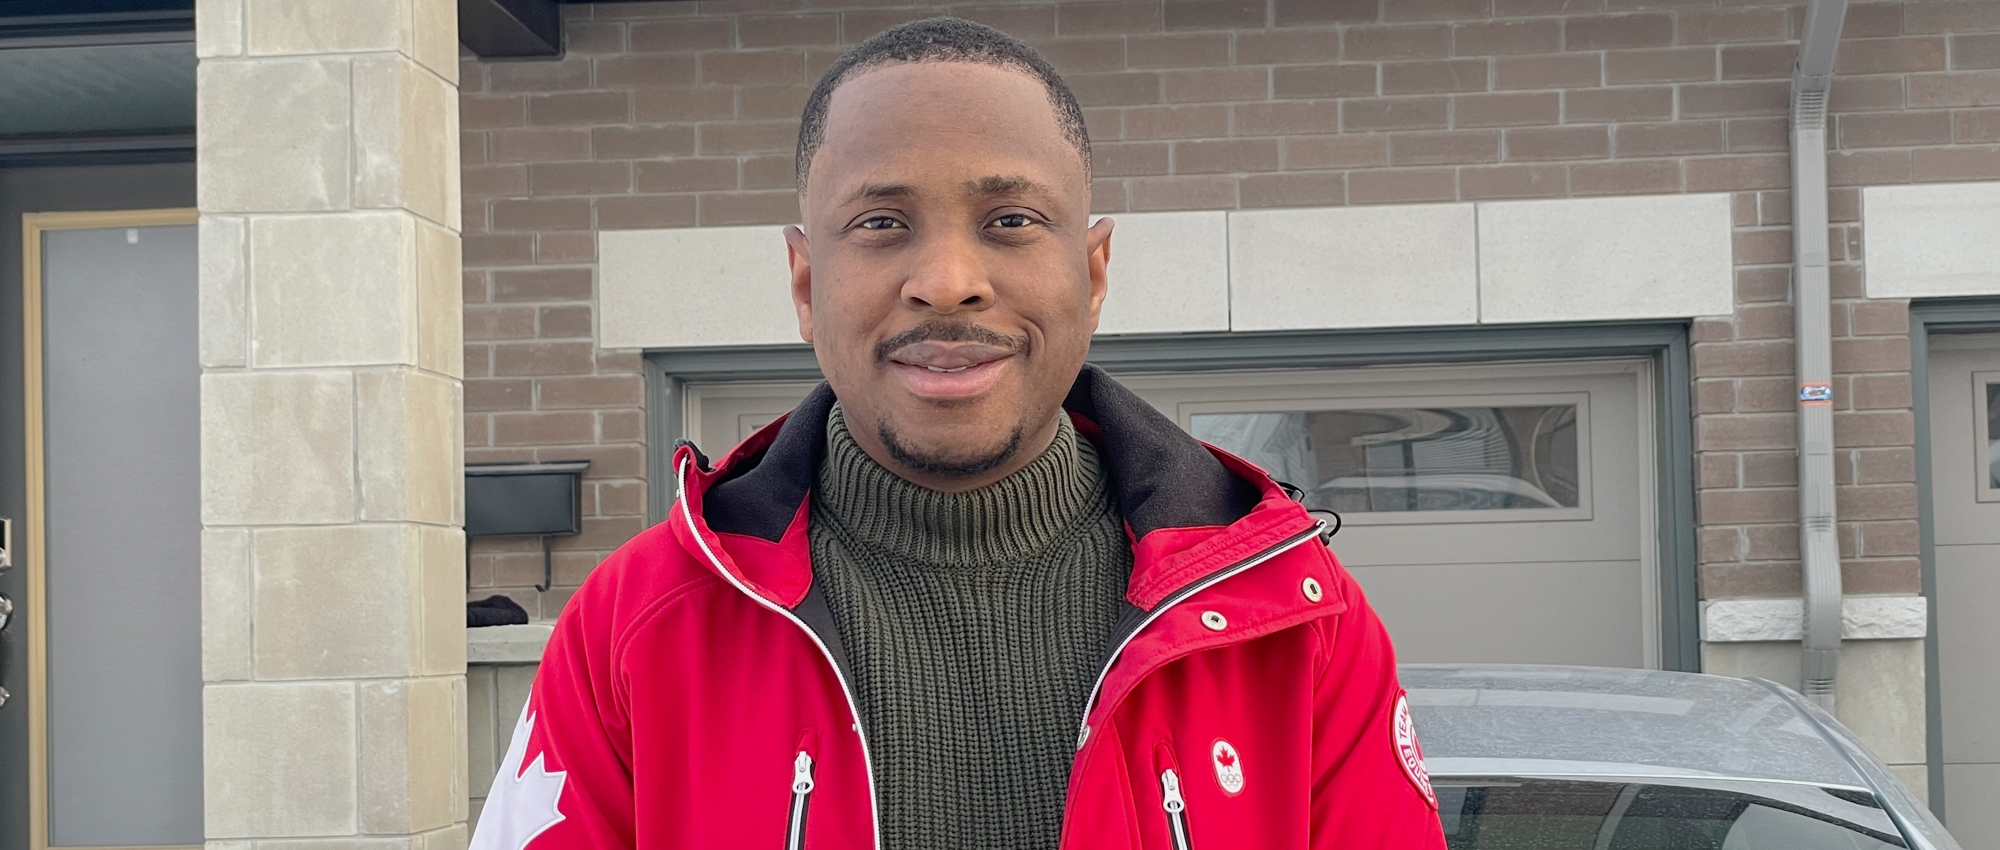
(1819, 549)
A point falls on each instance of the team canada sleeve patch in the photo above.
(525, 799)
(1409, 753)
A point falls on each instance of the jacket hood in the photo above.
(1189, 508)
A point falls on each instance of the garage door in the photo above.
(1493, 513)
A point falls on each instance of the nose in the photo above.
(948, 277)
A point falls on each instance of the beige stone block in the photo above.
(434, 36)
(409, 451)
(454, 837)
(333, 290)
(218, 28)
(400, 842)
(290, 27)
(225, 604)
(272, 136)
(223, 297)
(277, 447)
(1879, 695)
(512, 686)
(482, 753)
(440, 301)
(335, 601)
(279, 760)
(441, 610)
(405, 138)
(412, 761)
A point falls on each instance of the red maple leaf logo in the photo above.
(1226, 758)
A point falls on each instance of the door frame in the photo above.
(35, 522)
(1927, 319)
(1666, 343)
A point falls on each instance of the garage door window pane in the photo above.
(1992, 436)
(1387, 460)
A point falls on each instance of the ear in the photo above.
(798, 253)
(1098, 243)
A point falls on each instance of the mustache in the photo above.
(935, 331)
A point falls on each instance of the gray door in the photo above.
(1965, 500)
(107, 624)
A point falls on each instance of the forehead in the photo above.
(942, 120)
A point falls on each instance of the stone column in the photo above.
(333, 631)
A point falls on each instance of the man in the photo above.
(971, 593)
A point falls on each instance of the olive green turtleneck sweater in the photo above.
(974, 624)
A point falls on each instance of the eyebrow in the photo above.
(881, 191)
(1005, 185)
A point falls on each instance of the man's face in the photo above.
(946, 273)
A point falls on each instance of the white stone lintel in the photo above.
(1861, 618)
(507, 644)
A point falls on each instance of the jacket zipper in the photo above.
(802, 788)
(1279, 548)
(846, 691)
(1175, 807)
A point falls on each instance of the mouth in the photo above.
(949, 370)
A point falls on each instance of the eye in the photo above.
(1012, 221)
(881, 222)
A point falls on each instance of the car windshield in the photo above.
(1561, 814)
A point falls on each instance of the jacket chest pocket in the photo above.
(803, 783)
(1173, 809)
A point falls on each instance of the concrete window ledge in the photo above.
(507, 644)
(1861, 618)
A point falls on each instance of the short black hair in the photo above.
(939, 40)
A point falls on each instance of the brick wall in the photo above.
(683, 114)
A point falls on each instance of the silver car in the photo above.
(1591, 758)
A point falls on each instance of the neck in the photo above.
(1033, 445)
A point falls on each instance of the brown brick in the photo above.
(1873, 318)
(1591, 106)
(1120, 89)
(1974, 52)
(1721, 545)
(1176, 122)
(1342, 151)
(1677, 138)
(1895, 129)
(1506, 37)
(1287, 46)
(1714, 396)
(1724, 359)
(1313, 81)
(1892, 465)
(594, 37)
(1109, 18)
(478, 361)
(1772, 245)
(770, 102)
(1084, 55)
(621, 498)
(1867, 168)
(621, 425)
(1973, 126)
(1759, 135)
(1774, 469)
(1213, 15)
(1224, 156)
(1891, 55)
(1743, 433)
(1971, 88)
(860, 24)
(1209, 85)
(1183, 193)
(1104, 123)
(542, 429)
(735, 137)
(781, 207)
(1409, 41)
(1896, 537)
(1759, 285)
(1956, 163)
(1866, 94)
(1529, 8)
(1287, 118)
(1749, 581)
(1736, 173)
(541, 285)
(1712, 100)
(1449, 75)
(1710, 330)
(1613, 32)
(542, 214)
(1871, 354)
(487, 394)
(753, 67)
(1109, 196)
(637, 211)
(485, 322)
(1759, 61)
(658, 36)
(541, 358)
(1757, 506)
(580, 178)
(1872, 20)
(1402, 185)
(1764, 321)
(754, 31)
(1512, 181)
(1771, 542)
(1451, 147)
(1672, 65)
(591, 391)
(647, 142)
(477, 112)
(540, 145)
(1019, 21)
(571, 321)
(1884, 501)
(566, 248)
(1717, 26)
(568, 74)
(1131, 159)
(1179, 50)
(1401, 113)
(1506, 109)
(1435, 10)
(1548, 72)
(493, 181)
(644, 70)
(697, 103)
(1294, 189)
(1768, 395)
(1287, 13)
(1878, 392)
(498, 250)
(1553, 143)
(1951, 17)
(1716, 471)
(685, 175)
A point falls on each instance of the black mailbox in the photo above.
(541, 499)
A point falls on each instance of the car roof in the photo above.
(1553, 721)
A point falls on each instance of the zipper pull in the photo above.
(802, 774)
(1170, 788)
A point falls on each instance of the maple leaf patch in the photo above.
(523, 803)
(1228, 767)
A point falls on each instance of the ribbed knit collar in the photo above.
(1009, 520)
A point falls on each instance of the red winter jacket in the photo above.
(694, 694)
